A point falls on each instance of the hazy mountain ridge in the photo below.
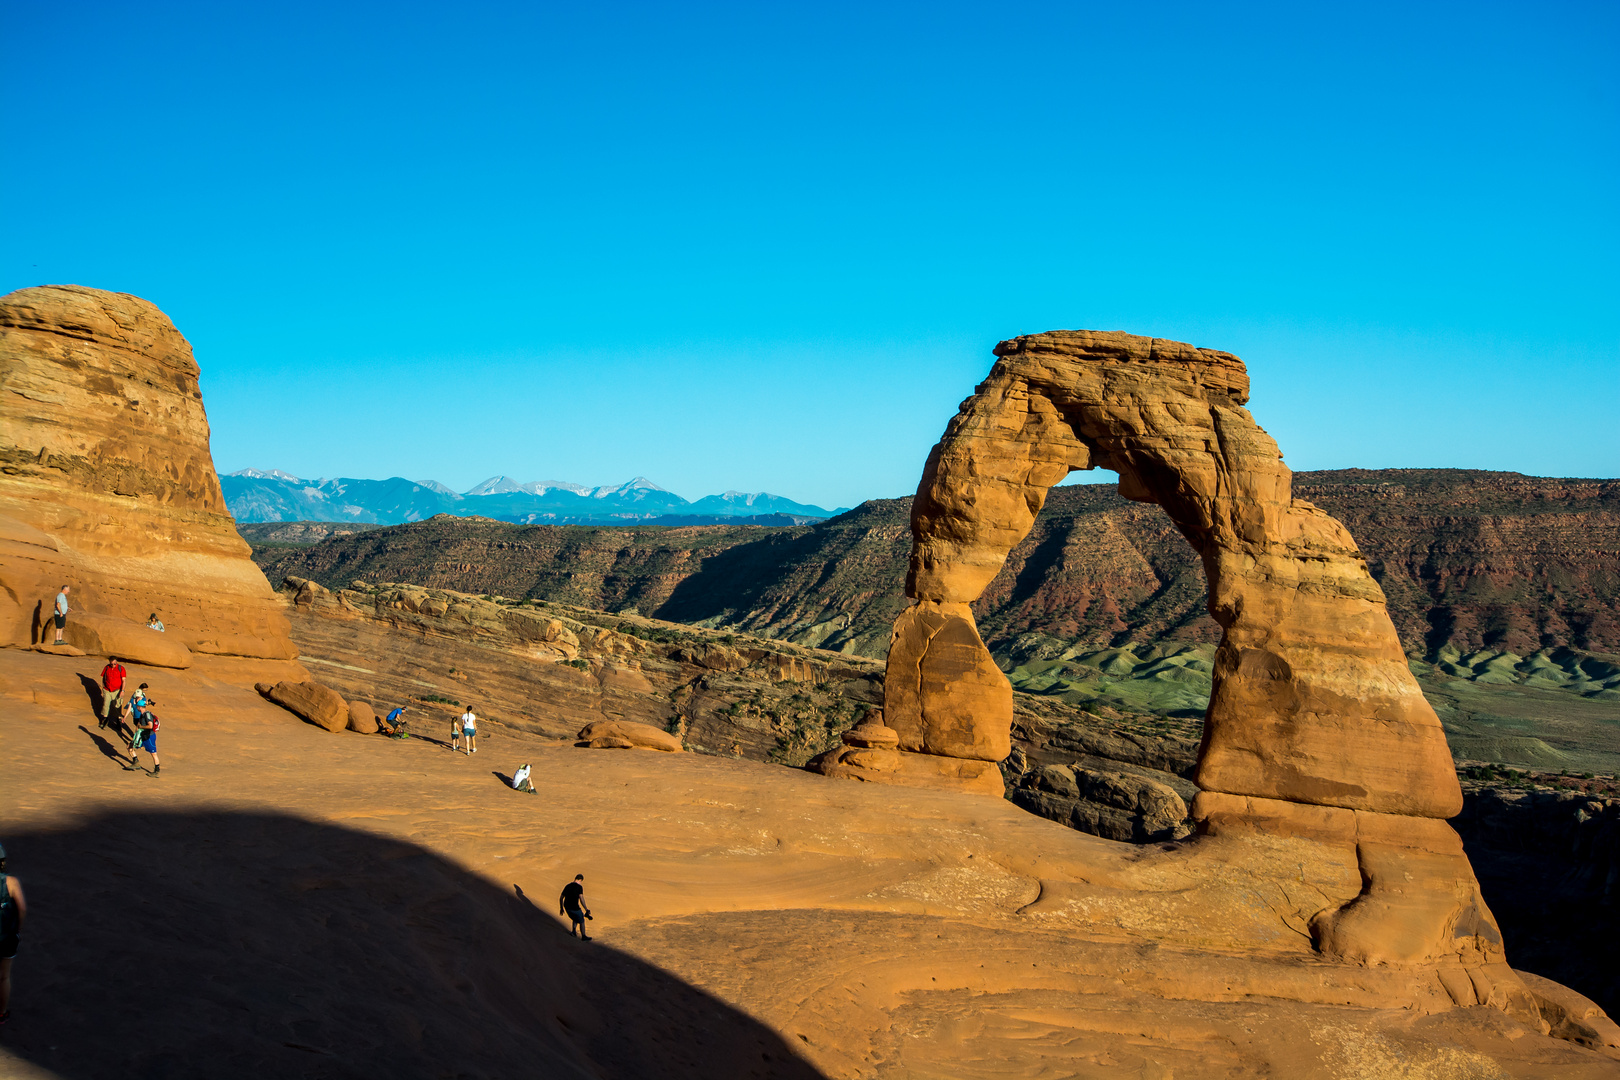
(255, 495)
(1468, 560)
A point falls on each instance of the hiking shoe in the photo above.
(156, 769)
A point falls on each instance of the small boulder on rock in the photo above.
(320, 705)
(362, 718)
(626, 735)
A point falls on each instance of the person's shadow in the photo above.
(93, 691)
(106, 748)
(268, 945)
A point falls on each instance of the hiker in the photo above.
(154, 623)
(61, 614)
(572, 904)
(392, 724)
(455, 734)
(13, 910)
(521, 782)
(469, 730)
(112, 692)
(146, 726)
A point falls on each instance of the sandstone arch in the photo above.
(1316, 728)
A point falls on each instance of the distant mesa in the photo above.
(261, 495)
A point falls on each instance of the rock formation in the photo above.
(553, 669)
(626, 735)
(1316, 728)
(107, 484)
(320, 705)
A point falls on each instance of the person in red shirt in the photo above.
(112, 689)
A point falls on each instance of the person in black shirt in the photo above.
(572, 904)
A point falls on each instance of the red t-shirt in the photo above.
(112, 676)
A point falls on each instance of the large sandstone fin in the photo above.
(107, 484)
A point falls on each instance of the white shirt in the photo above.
(61, 603)
(468, 719)
(522, 775)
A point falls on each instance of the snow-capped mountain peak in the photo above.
(495, 485)
(640, 483)
(267, 474)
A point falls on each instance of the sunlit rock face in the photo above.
(1316, 727)
(107, 484)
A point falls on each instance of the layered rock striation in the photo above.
(107, 484)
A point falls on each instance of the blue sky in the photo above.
(769, 246)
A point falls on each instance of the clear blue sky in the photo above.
(768, 246)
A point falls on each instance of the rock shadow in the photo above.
(254, 944)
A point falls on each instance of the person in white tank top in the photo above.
(469, 731)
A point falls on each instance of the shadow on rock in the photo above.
(93, 691)
(206, 945)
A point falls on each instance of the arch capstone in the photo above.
(1316, 729)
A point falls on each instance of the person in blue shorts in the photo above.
(146, 729)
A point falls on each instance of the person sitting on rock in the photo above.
(521, 781)
(154, 623)
(469, 730)
(112, 692)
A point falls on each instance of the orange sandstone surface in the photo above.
(284, 900)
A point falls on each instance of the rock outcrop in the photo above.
(1118, 805)
(362, 718)
(871, 751)
(626, 735)
(107, 484)
(1316, 728)
(320, 705)
(552, 669)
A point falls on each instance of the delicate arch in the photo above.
(1312, 699)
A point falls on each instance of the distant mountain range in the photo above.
(258, 495)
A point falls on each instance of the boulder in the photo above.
(108, 486)
(108, 635)
(626, 734)
(1116, 805)
(362, 718)
(871, 751)
(318, 704)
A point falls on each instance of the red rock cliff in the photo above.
(107, 484)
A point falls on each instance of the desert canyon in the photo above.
(803, 862)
